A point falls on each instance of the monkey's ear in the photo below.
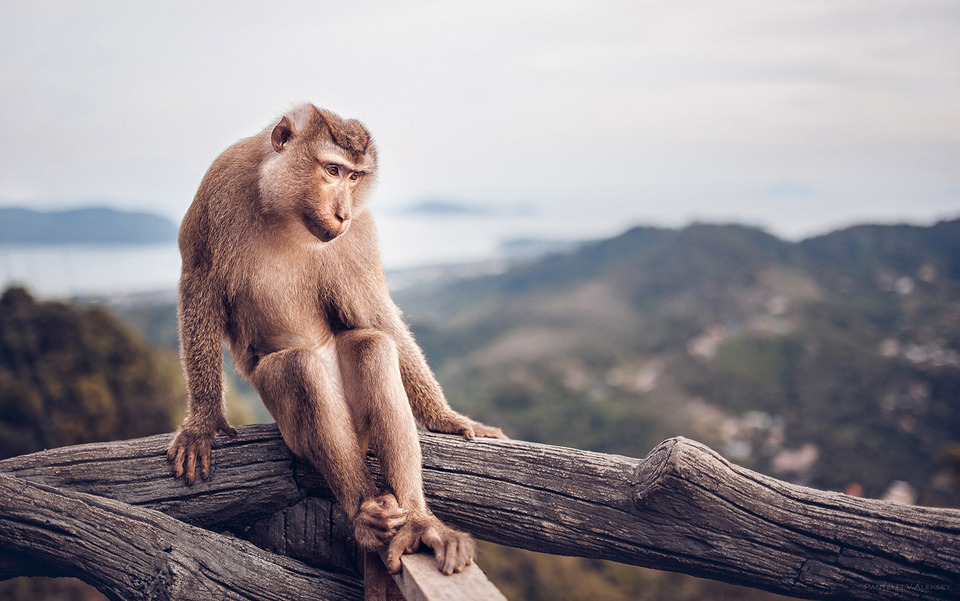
(281, 133)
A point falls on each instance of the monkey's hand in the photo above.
(378, 521)
(453, 549)
(193, 443)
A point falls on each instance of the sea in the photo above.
(89, 270)
(409, 244)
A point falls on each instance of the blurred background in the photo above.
(608, 223)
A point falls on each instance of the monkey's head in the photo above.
(319, 171)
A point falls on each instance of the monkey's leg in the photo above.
(371, 382)
(313, 417)
(370, 367)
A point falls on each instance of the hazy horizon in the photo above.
(468, 242)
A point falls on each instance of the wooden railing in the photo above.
(111, 515)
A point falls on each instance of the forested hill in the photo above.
(834, 361)
(87, 225)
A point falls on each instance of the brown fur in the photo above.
(280, 258)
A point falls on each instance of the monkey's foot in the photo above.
(453, 549)
(485, 431)
(464, 426)
(378, 521)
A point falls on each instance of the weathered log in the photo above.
(131, 553)
(251, 476)
(683, 508)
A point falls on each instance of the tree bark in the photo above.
(132, 553)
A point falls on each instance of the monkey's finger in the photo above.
(191, 466)
(464, 554)
(392, 525)
(468, 433)
(385, 526)
(432, 539)
(224, 426)
(393, 559)
(178, 462)
(205, 464)
(390, 514)
(453, 555)
(387, 502)
(445, 558)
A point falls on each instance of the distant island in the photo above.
(94, 225)
(444, 208)
(439, 207)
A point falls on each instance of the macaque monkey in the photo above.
(280, 258)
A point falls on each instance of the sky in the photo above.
(799, 117)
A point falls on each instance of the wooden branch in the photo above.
(683, 508)
(135, 553)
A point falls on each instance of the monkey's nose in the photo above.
(342, 214)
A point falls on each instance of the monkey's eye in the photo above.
(354, 176)
(333, 170)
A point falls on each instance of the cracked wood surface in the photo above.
(682, 508)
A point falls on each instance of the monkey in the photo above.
(280, 260)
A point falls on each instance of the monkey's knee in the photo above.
(370, 364)
(289, 372)
(289, 384)
(368, 349)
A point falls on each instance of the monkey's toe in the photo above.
(485, 431)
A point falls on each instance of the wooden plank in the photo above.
(420, 580)
(378, 584)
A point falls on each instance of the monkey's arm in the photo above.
(201, 317)
(427, 400)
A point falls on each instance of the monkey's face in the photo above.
(339, 184)
(322, 168)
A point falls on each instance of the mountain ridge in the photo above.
(87, 225)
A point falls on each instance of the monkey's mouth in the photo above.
(325, 228)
